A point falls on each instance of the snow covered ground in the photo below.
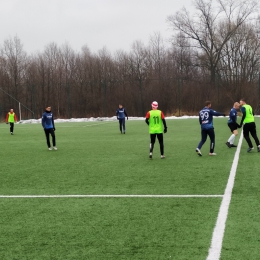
(92, 119)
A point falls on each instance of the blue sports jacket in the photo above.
(47, 120)
(206, 117)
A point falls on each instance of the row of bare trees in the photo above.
(214, 54)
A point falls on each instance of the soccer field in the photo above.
(99, 196)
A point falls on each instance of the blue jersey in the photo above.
(232, 116)
(121, 113)
(47, 120)
(206, 118)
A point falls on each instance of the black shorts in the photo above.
(232, 126)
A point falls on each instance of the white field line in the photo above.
(111, 196)
(219, 230)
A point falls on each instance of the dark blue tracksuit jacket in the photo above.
(47, 120)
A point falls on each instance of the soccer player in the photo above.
(249, 125)
(233, 125)
(11, 118)
(49, 128)
(155, 119)
(121, 115)
(207, 128)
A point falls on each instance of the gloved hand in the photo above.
(54, 129)
(224, 115)
(165, 130)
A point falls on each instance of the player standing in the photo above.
(233, 125)
(11, 118)
(249, 125)
(207, 128)
(49, 128)
(121, 115)
(155, 119)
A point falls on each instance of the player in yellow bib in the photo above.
(249, 125)
(11, 118)
(157, 126)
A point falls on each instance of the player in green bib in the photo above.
(249, 125)
(157, 126)
(11, 118)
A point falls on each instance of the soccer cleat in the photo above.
(11, 133)
(258, 148)
(55, 148)
(228, 145)
(250, 149)
(151, 156)
(232, 145)
(212, 154)
(50, 148)
(198, 152)
(162, 157)
(124, 132)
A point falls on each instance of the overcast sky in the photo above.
(115, 24)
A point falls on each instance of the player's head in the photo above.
(154, 105)
(208, 104)
(11, 110)
(236, 105)
(120, 105)
(48, 108)
(242, 101)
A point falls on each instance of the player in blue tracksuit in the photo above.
(233, 125)
(207, 129)
(121, 115)
(49, 128)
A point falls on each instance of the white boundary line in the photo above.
(219, 230)
(111, 196)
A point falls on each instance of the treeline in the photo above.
(212, 56)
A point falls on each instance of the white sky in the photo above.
(115, 24)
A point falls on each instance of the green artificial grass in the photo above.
(93, 158)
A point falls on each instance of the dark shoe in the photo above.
(228, 145)
(258, 149)
(151, 156)
(232, 145)
(250, 149)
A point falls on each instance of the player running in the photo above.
(155, 119)
(249, 125)
(233, 125)
(207, 129)
(121, 115)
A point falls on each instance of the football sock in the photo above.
(231, 139)
(151, 147)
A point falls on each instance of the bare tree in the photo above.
(212, 27)
(15, 58)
